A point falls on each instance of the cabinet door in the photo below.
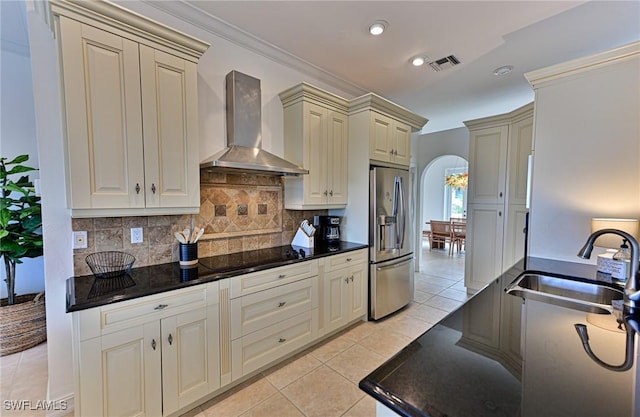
(483, 260)
(190, 360)
(338, 157)
(514, 235)
(487, 165)
(316, 151)
(481, 325)
(402, 143)
(336, 299)
(520, 137)
(170, 109)
(357, 291)
(381, 137)
(120, 373)
(101, 82)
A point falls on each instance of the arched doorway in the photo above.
(439, 201)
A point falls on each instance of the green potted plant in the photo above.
(22, 318)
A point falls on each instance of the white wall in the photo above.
(17, 121)
(587, 154)
(222, 57)
(56, 222)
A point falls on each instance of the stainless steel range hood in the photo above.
(244, 153)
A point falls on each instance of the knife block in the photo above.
(302, 239)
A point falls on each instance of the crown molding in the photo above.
(543, 76)
(372, 101)
(218, 27)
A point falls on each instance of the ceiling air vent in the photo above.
(444, 63)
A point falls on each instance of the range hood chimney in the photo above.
(244, 153)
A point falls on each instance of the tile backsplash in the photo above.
(238, 212)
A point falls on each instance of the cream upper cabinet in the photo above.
(390, 140)
(385, 126)
(130, 103)
(316, 135)
(488, 164)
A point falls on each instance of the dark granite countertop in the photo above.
(439, 374)
(88, 291)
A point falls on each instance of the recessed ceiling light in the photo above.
(418, 61)
(503, 70)
(378, 27)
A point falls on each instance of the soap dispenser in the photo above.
(622, 263)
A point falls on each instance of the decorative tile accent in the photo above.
(256, 219)
(220, 209)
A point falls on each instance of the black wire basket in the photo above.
(110, 264)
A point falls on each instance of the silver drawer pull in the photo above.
(281, 340)
(281, 276)
(282, 303)
(349, 259)
(161, 306)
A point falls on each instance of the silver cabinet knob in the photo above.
(161, 307)
(282, 303)
(153, 344)
(170, 339)
(153, 188)
(281, 340)
(137, 188)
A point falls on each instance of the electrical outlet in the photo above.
(80, 240)
(136, 235)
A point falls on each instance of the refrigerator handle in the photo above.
(399, 211)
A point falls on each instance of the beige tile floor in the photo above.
(321, 381)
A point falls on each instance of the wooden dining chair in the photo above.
(440, 233)
(458, 235)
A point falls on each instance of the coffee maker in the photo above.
(328, 228)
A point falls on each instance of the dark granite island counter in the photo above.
(499, 356)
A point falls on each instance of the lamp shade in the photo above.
(610, 240)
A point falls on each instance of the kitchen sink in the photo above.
(574, 293)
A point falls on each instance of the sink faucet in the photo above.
(632, 287)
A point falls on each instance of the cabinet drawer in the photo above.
(259, 310)
(153, 308)
(259, 281)
(345, 259)
(97, 321)
(260, 348)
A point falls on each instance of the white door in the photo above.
(335, 299)
(101, 77)
(483, 259)
(169, 99)
(338, 159)
(381, 138)
(487, 165)
(402, 143)
(316, 153)
(121, 373)
(190, 362)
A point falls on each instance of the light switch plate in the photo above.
(136, 235)
(80, 240)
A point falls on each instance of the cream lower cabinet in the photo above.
(130, 112)
(345, 289)
(316, 137)
(272, 313)
(148, 357)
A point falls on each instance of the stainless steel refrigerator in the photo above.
(390, 241)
